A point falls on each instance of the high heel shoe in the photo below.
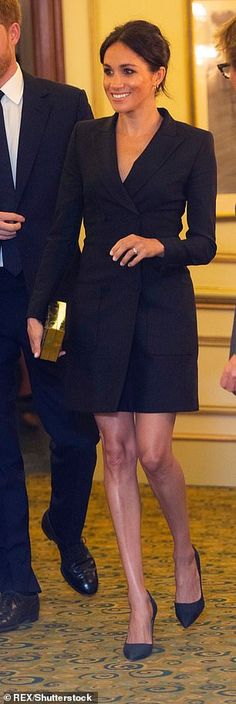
(139, 651)
(188, 613)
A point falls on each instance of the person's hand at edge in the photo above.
(35, 333)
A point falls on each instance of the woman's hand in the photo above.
(35, 332)
(136, 248)
(228, 378)
(10, 223)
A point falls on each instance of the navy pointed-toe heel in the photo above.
(139, 651)
(188, 613)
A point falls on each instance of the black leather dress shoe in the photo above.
(77, 564)
(16, 609)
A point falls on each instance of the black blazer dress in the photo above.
(131, 335)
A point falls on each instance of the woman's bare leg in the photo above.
(117, 432)
(165, 476)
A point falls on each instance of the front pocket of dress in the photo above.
(170, 333)
(171, 325)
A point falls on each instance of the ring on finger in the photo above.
(135, 251)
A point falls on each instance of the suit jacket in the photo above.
(50, 111)
(177, 167)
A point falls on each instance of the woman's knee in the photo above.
(117, 435)
(156, 461)
(118, 456)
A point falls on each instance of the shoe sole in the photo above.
(22, 623)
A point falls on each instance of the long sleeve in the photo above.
(62, 242)
(199, 246)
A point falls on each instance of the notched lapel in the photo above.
(160, 149)
(105, 152)
(35, 112)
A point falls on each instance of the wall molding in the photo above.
(215, 298)
(224, 258)
(216, 306)
(212, 410)
(216, 341)
(203, 437)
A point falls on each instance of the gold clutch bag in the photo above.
(54, 330)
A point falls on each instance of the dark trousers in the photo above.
(73, 445)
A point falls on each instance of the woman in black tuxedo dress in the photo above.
(131, 331)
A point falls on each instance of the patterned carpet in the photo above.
(77, 643)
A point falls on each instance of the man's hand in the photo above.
(135, 248)
(10, 223)
(35, 332)
(228, 378)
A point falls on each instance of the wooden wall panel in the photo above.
(48, 39)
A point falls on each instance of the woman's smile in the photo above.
(119, 96)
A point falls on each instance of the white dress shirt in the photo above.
(12, 108)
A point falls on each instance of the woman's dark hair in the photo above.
(146, 40)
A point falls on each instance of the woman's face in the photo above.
(128, 82)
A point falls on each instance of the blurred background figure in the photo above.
(226, 43)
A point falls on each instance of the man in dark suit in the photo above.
(36, 120)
